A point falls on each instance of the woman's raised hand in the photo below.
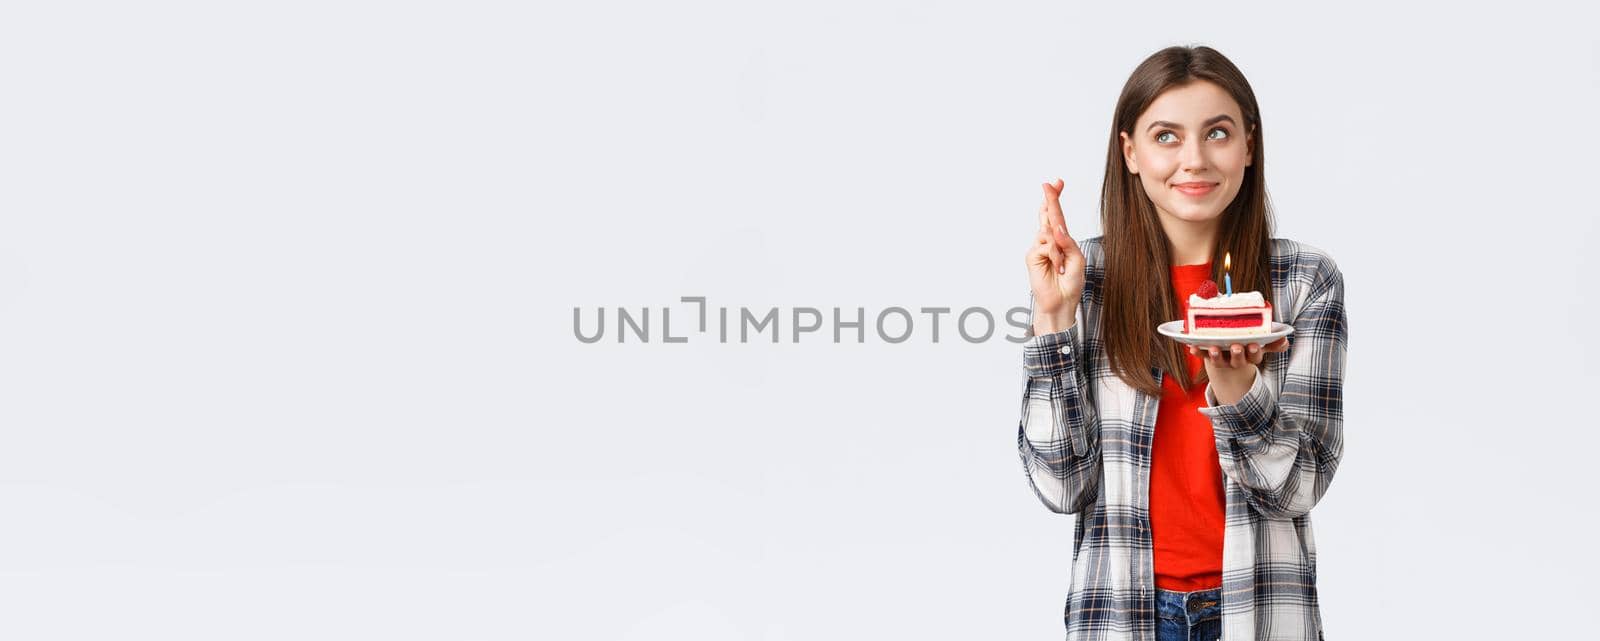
(1237, 355)
(1233, 369)
(1055, 267)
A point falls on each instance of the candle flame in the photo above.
(1227, 260)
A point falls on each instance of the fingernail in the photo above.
(1061, 269)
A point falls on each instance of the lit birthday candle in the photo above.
(1227, 264)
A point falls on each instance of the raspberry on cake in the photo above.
(1240, 313)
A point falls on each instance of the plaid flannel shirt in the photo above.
(1085, 440)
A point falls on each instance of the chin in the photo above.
(1192, 214)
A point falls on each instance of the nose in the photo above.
(1192, 156)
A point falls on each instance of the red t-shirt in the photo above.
(1186, 495)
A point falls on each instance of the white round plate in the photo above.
(1174, 330)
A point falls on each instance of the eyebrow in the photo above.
(1209, 121)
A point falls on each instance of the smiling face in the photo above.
(1190, 135)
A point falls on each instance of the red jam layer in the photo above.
(1235, 320)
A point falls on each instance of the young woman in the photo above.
(1192, 473)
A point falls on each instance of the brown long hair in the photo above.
(1138, 288)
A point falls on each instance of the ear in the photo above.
(1249, 144)
(1127, 153)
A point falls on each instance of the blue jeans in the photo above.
(1189, 616)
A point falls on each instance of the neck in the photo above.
(1190, 242)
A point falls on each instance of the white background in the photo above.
(286, 294)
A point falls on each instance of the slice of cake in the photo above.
(1236, 314)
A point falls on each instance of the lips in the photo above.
(1195, 188)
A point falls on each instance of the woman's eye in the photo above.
(1224, 136)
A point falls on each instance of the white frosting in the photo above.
(1236, 299)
